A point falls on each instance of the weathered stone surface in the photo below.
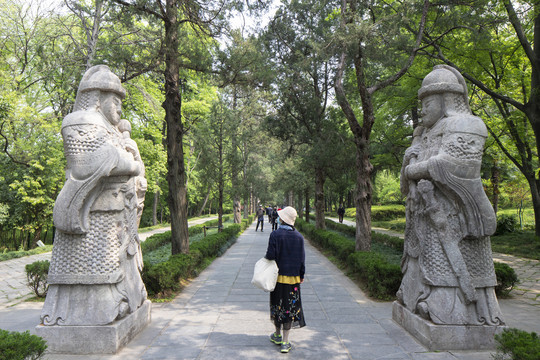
(448, 273)
(94, 276)
(446, 337)
(106, 339)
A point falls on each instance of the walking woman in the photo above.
(286, 247)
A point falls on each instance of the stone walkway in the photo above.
(220, 315)
(527, 270)
(13, 288)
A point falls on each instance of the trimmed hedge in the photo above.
(158, 240)
(20, 346)
(381, 277)
(381, 213)
(388, 240)
(166, 276)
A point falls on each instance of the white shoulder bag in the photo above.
(265, 274)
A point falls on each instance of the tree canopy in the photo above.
(314, 108)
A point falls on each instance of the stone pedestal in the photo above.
(445, 337)
(106, 339)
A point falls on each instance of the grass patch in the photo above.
(8, 255)
(396, 224)
(524, 244)
(154, 227)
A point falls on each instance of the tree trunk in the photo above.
(362, 199)
(176, 175)
(319, 198)
(299, 205)
(155, 207)
(220, 189)
(495, 181)
(307, 204)
(205, 201)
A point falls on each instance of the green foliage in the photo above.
(517, 344)
(525, 244)
(505, 224)
(506, 279)
(382, 278)
(381, 212)
(36, 274)
(8, 255)
(346, 229)
(164, 277)
(21, 346)
(390, 241)
(386, 188)
(381, 274)
(387, 212)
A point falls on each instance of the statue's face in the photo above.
(432, 110)
(111, 107)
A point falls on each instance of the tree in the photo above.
(376, 37)
(303, 81)
(503, 68)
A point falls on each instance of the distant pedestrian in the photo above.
(269, 213)
(260, 218)
(286, 247)
(274, 218)
(341, 213)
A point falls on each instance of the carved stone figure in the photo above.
(447, 264)
(94, 276)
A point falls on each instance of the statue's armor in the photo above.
(454, 161)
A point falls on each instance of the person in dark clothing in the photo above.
(260, 219)
(269, 213)
(286, 247)
(274, 219)
(341, 213)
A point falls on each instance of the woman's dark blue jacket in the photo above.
(287, 248)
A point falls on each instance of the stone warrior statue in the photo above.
(447, 262)
(94, 275)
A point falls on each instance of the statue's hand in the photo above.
(412, 152)
(131, 147)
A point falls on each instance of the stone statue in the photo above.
(94, 276)
(448, 274)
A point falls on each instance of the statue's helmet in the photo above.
(101, 78)
(442, 79)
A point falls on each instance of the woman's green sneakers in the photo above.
(276, 339)
(285, 347)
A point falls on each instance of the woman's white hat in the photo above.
(288, 215)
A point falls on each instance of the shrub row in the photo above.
(165, 277)
(381, 213)
(8, 255)
(381, 277)
(388, 240)
(158, 240)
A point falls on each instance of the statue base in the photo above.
(445, 337)
(105, 339)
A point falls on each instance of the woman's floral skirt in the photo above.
(286, 305)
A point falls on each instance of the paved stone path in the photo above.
(220, 315)
(527, 270)
(13, 288)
